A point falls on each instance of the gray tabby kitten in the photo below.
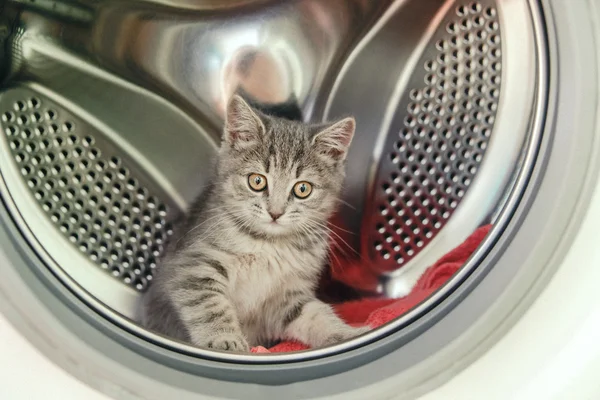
(245, 268)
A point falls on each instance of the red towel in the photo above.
(376, 312)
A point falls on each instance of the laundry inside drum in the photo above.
(110, 121)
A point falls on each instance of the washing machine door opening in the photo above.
(452, 101)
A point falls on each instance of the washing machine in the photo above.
(471, 116)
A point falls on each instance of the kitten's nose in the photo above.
(275, 215)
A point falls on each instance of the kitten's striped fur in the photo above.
(234, 278)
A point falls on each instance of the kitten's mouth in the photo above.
(274, 228)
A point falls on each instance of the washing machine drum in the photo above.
(111, 112)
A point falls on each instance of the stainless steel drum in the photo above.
(112, 109)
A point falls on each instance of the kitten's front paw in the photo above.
(228, 342)
(346, 334)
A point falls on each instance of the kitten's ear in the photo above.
(334, 140)
(243, 127)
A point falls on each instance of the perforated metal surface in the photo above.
(429, 163)
(88, 191)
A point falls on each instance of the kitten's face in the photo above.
(280, 178)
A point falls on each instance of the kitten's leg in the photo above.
(315, 323)
(200, 295)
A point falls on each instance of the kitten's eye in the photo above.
(302, 190)
(257, 182)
